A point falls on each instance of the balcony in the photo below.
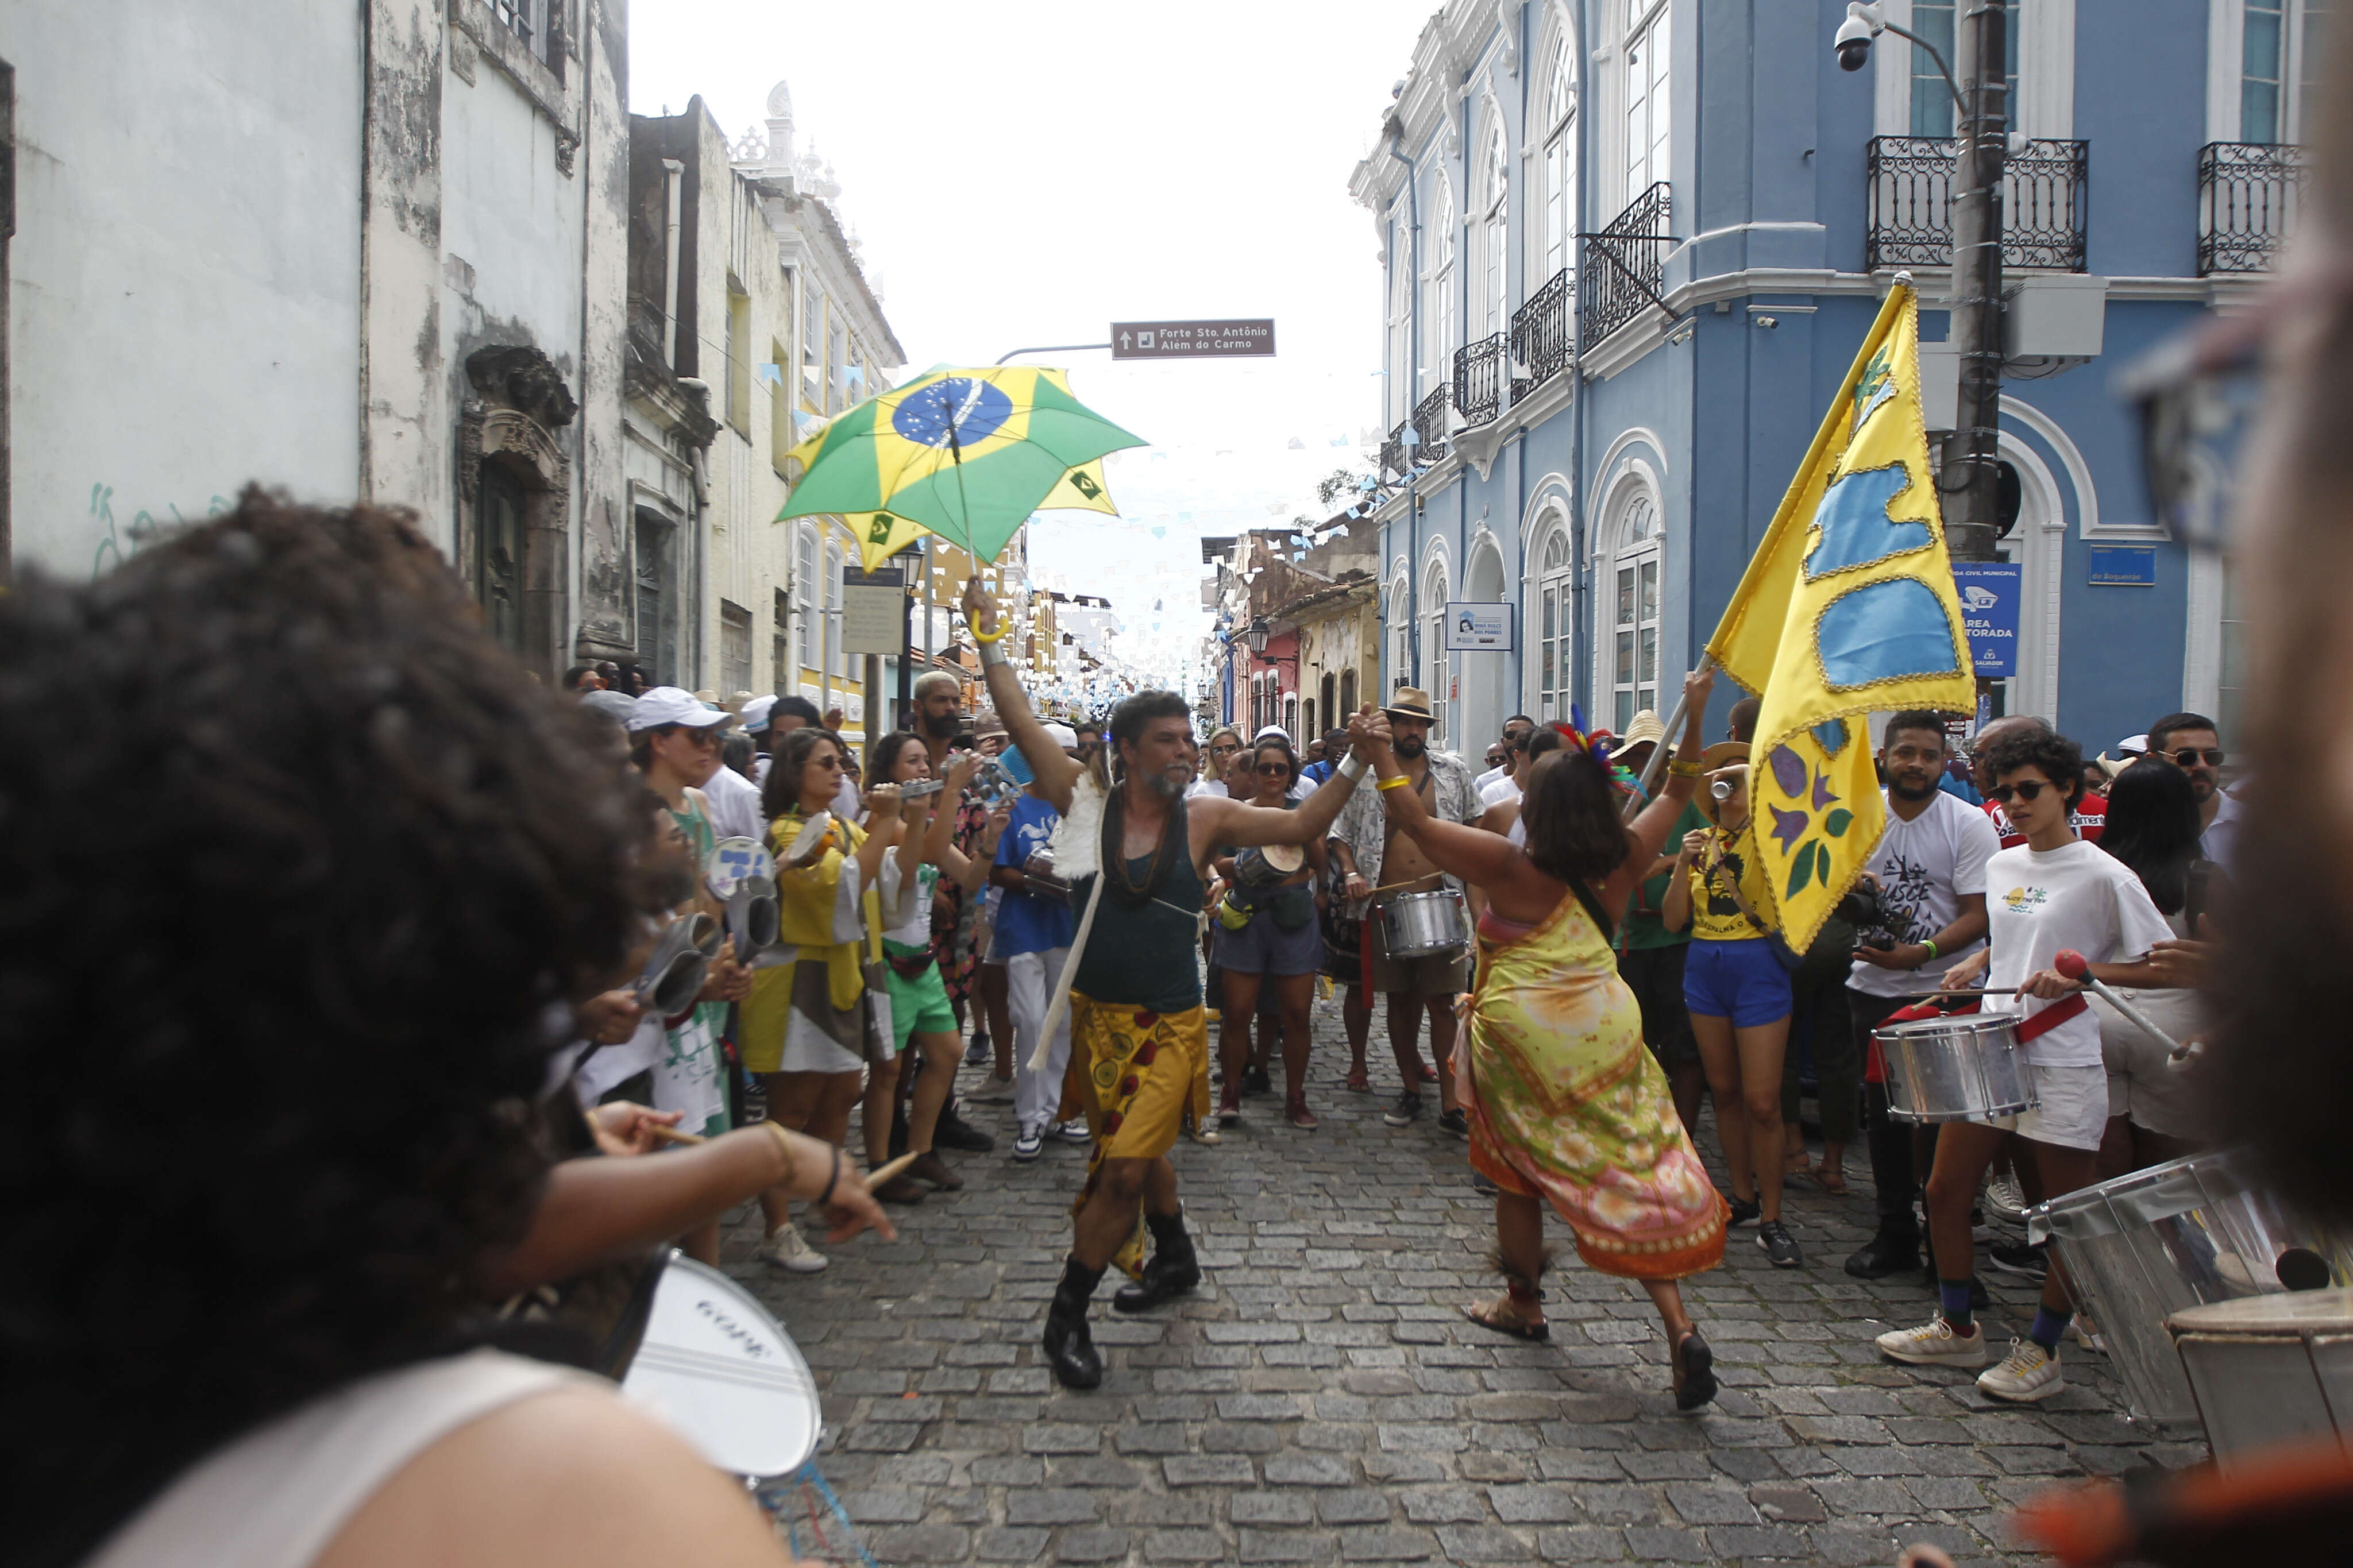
(1393, 449)
(1542, 336)
(1620, 269)
(1478, 379)
(1429, 424)
(2044, 197)
(2247, 200)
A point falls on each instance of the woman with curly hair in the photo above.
(301, 880)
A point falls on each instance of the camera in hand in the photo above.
(1862, 909)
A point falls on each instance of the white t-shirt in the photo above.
(1489, 776)
(907, 909)
(734, 803)
(1495, 792)
(2220, 842)
(2077, 896)
(1923, 867)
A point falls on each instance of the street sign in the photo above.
(1192, 340)
(2124, 565)
(873, 611)
(1477, 628)
(1988, 594)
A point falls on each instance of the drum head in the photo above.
(1286, 858)
(720, 1368)
(810, 842)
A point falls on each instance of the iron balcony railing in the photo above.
(2044, 195)
(1622, 269)
(1478, 379)
(1544, 335)
(1430, 424)
(2248, 195)
(1393, 449)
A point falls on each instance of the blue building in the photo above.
(1632, 246)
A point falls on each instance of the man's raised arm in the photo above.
(1309, 822)
(1056, 773)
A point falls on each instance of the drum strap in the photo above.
(2051, 1017)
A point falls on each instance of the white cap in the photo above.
(1272, 732)
(2134, 745)
(755, 713)
(672, 705)
(1063, 735)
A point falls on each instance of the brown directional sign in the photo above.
(1192, 340)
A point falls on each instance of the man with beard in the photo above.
(1139, 1037)
(939, 719)
(1929, 871)
(1372, 855)
(2191, 742)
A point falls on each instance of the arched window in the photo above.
(1628, 680)
(1495, 193)
(1399, 397)
(1558, 231)
(1648, 59)
(840, 660)
(1438, 331)
(1347, 696)
(1400, 628)
(1436, 668)
(806, 645)
(1556, 623)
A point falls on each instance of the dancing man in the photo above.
(1139, 1039)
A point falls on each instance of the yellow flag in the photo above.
(1847, 608)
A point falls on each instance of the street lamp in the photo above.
(1973, 519)
(1257, 634)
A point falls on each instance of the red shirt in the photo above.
(2089, 819)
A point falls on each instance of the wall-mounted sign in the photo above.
(1477, 628)
(873, 611)
(1988, 593)
(2124, 565)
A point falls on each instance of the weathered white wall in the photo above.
(184, 309)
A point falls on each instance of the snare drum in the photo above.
(2269, 1371)
(2152, 1243)
(724, 1374)
(1425, 925)
(1968, 1067)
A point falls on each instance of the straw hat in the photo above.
(1409, 702)
(1642, 727)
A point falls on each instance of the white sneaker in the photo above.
(2004, 1201)
(1074, 1131)
(789, 1250)
(1030, 1141)
(2029, 1372)
(1935, 1343)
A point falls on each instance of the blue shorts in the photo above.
(1741, 981)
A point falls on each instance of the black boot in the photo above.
(1069, 1349)
(1894, 1251)
(1171, 1271)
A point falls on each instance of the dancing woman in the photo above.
(1565, 1103)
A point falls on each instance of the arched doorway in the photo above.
(1485, 677)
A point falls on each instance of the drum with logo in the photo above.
(722, 1370)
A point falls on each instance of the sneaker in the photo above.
(1295, 1111)
(993, 1090)
(954, 1131)
(1781, 1247)
(1030, 1141)
(1404, 1113)
(2028, 1374)
(2026, 1261)
(1201, 1131)
(1074, 1131)
(2004, 1201)
(1743, 1210)
(975, 1054)
(1935, 1343)
(1229, 1106)
(789, 1250)
(2087, 1334)
(1483, 1186)
(1454, 1123)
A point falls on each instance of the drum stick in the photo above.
(1070, 973)
(1978, 991)
(2076, 967)
(873, 1178)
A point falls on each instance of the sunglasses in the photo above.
(2189, 756)
(830, 763)
(1274, 769)
(2025, 789)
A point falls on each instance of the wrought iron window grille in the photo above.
(2046, 194)
(1622, 268)
(2248, 195)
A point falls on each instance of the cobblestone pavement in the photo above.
(1321, 1400)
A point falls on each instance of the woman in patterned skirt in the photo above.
(1566, 1105)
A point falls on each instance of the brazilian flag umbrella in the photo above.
(965, 454)
(883, 535)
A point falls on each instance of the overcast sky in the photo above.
(1026, 173)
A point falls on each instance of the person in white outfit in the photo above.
(1034, 926)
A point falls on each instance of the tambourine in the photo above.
(674, 971)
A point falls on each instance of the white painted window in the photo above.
(1399, 398)
(838, 660)
(1437, 315)
(1400, 625)
(2279, 62)
(1649, 56)
(805, 644)
(1495, 203)
(1436, 667)
(1559, 227)
(1932, 101)
(1630, 675)
(1556, 624)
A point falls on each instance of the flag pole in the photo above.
(1667, 743)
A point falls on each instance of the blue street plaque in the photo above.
(1988, 593)
(2124, 565)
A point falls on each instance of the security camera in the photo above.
(1853, 44)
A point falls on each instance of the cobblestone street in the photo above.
(1322, 1399)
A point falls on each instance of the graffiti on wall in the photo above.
(120, 542)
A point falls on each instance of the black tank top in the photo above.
(1144, 955)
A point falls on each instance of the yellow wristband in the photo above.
(980, 637)
(1398, 783)
(1679, 769)
(784, 1144)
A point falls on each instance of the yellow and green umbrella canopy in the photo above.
(883, 535)
(965, 454)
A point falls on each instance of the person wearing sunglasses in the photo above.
(2191, 742)
(2088, 814)
(2052, 893)
(1268, 941)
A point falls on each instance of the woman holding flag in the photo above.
(1565, 1103)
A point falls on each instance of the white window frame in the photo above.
(1552, 233)
(1635, 495)
(1400, 360)
(2043, 105)
(808, 648)
(1436, 668)
(1554, 627)
(1400, 630)
(836, 660)
(2226, 40)
(1438, 294)
(1494, 219)
(1647, 99)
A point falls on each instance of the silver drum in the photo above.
(1425, 925)
(2148, 1245)
(1962, 1069)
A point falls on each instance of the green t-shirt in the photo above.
(1641, 929)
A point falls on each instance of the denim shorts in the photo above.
(1741, 981)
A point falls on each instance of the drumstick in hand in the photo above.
(2078, 968)
(873, 1178)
